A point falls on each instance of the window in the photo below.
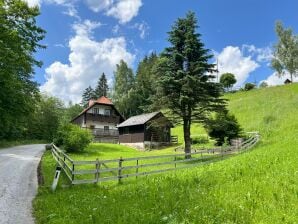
(107, 112)
(96, 110)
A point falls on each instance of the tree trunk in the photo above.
(291, 78)
(187, 140)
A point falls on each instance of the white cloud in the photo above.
(232, 60)
(85, 28)
(262, 54)
(124, 10)
(274, 79)
(143, 29)
(32, 3)
(99, 5)
(87, 60)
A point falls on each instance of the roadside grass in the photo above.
(260, 186)
(7, 144)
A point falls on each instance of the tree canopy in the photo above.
(285, 52)
(19, 40)
(227, 80)
(123, 89)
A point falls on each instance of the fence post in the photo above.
(97, 165)
(175, 158)
(137, 169)
(72, 173)
(120, 170)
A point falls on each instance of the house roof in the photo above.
(101, 101)
(138, 120)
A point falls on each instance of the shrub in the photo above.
(249, 86)
(73, 138)
(199, 139)
(223, 127)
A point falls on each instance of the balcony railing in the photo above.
(103, 132)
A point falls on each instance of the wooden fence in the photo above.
(82, 172)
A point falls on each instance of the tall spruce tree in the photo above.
(102, 87)
(88, 94)
(185, 79)
(123, 89)
(19, 41)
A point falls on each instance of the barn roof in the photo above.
(138, 120)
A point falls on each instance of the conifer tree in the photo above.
(102, 87)
(88, 94)
(185, 77)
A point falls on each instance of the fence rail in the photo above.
(118, 169)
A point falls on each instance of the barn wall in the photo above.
(131, 138)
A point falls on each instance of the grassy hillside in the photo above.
(260, 186)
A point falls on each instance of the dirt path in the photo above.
(18, 183)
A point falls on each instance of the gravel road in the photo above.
(18, 183)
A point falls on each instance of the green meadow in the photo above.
(259, 186)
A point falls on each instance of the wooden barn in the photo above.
(144, 130)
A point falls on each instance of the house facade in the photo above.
(101, 118)
(146, 130)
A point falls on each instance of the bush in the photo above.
(249, 86)
(199, 140)
(73, 138)
(223, 128)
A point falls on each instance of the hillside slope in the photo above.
(260, 186)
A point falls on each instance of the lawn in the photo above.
(7, 144)
(260, 186)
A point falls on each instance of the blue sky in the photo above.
(87, 37)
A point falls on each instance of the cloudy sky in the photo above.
(87, 37)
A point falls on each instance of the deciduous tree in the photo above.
(285, 52)
(19, 40)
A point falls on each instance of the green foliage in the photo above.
(227, 80)
(223, 127)
(184, 77)
(88, 94)
(263, 84)
(73, 138)
(249, 86)
(45, 120)
(285, 51)
(145, 84)
(102, 87)
(19, 40)
(199, 139)
(123, 89)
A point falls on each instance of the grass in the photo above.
(260, 186)
(7, 144)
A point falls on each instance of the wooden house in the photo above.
(101, 118)
(152, 129)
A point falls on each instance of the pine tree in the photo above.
(185, 78)
(102, 87)
(88, 94)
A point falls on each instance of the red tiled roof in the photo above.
(104, 100)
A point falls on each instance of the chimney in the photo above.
(90, 103)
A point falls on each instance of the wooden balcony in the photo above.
(100, 132)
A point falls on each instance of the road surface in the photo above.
(18, 183)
